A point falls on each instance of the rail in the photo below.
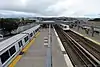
(76, 52)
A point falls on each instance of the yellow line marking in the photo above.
(24, 50)
(37, 34)
(15, 61)
(28, 46)
(93, 40)
(87, 37)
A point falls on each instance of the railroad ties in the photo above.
(81, 51)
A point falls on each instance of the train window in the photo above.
(35, 30)
(20, 43)
(31, 34)
(65, 27)
(4, 57)
(12, 50)
(26, 39)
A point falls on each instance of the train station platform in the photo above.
(81, 32)
(36, 54)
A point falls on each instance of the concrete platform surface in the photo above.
(36, 55)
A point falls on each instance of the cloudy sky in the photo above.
(71, 8)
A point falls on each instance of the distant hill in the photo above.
(84, 19)
(14, 15)
(96, 19)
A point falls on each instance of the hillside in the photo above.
(96, 19)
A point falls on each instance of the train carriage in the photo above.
(32, 31)
(11, 47)
(64, 27)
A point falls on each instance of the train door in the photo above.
(31, 36)
(20, 43)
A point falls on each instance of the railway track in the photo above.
(78, 55)
(91, 47)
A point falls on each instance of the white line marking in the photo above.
(60, 44)
(67, 59)
(68, 62)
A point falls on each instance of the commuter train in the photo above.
(64, 27)
(13, 46)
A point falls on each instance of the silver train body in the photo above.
(64, 27)
(11, 47)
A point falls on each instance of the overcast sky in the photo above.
(71, 8)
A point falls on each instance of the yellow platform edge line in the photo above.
(13, 63)
(87, 37)
(27, 47)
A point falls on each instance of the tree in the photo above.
(1, 23)
(8, 25)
